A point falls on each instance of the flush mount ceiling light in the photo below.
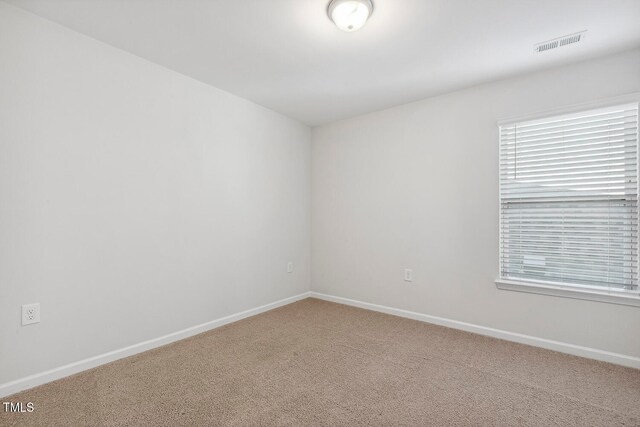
(350, 15)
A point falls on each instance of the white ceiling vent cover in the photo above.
(559, 42)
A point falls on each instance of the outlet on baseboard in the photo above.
(30, 313)
(290, 267)
(408, 275)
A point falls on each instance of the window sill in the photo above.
(613, 297)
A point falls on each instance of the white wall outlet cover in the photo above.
(408, 275)
(30, 313)
(290, 267)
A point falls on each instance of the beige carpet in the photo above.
(319, 363)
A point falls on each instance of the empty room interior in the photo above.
(319, 212)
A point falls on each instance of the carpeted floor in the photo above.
(319, 363)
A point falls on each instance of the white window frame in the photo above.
(624, 297)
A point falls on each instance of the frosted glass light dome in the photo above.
(350, 15)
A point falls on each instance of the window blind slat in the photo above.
(622, 170)
(569, 199)
(605, 127)
(523, 135)
(570, 120)
(565, 244)
(611, 133)
(590, 161)
(569, 151)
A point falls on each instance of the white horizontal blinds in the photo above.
(569, 199)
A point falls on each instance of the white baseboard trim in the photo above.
(576, 350)
(21, 384)
(25, 383)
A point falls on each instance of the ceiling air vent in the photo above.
(559, 42)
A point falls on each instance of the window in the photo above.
(569, 201)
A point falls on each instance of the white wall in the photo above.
(416, 186)
(134, 201)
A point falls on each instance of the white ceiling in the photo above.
(288, 56)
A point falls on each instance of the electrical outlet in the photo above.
(408, 275)
(290, 267)
(30, 313)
